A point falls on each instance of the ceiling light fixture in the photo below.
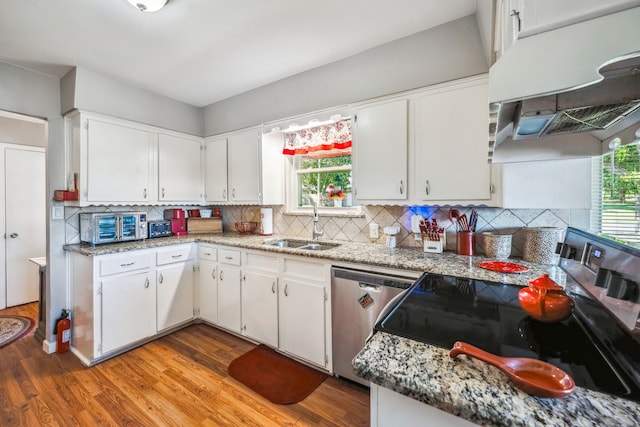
(148, 5)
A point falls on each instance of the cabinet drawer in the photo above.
(305, 269)
(229, 257)
(124, 263)
(174, 254)
(262, 262)
(207, 252)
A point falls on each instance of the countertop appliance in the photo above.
(597, 345)
(109, 227)
(178, 220)
(159, 228)
(357, 299)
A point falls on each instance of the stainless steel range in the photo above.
(598, 345)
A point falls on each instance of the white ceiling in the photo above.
(203, 51)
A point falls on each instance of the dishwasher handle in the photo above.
(369, 287)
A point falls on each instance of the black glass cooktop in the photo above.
(441, 310)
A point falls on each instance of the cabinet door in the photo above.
(208, 291)
(260, 307)
(301, 320)
(179, 169)
(215, 168)
(380, 152)
(244, 167)
(119, 163)
(175, 294)
(229, 298)
(451, 145)
(128, 310)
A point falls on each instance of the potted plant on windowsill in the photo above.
(337, 194)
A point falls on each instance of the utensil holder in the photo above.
(466, 243)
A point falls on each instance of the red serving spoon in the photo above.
(532, 376)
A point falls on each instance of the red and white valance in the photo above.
(326, 140)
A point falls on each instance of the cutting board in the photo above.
(204, 225)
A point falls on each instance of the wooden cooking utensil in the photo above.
(532, 376)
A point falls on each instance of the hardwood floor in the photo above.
(177, 380)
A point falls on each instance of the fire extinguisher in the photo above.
(63, 330)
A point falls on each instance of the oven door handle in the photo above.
(387, 308)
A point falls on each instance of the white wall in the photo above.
(90, 91)
(34, 94)
(447, 52)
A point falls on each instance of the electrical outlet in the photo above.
(373, 231)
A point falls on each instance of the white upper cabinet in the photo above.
(450, 145)
(119, 164)
(179, 169)
(244, 168)
(537, 16)
(516, 19)
(122, 162)
(380, 152)
(215, 170)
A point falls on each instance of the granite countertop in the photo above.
(478, 392)
(412, 259)
(464, 387)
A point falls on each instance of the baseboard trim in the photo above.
(49, 347)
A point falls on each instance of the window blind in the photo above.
(616, 195)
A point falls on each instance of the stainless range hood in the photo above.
(567, 92)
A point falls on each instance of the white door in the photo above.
(25, 222)
(208, 291)
(229, 298)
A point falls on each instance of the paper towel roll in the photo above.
(266, 221)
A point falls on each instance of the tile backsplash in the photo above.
(510, 221)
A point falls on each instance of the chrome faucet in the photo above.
(317, 231)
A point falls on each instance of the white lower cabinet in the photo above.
(127, 307)
(260, 307)
(175, 294)
(207, 298)
(301, 320)
(229, 298)
(175, 285)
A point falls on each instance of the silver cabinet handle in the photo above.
(401, 187)
(285, 290)
(233, 193)
(207, 253)
(221, 275)
(273, 288)
(144, 193)
(244, 278)
(13, 235)
(127, 264)
(161, 279)
(427, 187)
(163, 193)
(224, 194)
(176, 256)
(146, 283)
(213, 274)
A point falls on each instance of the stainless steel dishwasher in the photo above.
(357, 299)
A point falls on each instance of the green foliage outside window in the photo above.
(312, 186)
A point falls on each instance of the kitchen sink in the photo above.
(302, 244)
